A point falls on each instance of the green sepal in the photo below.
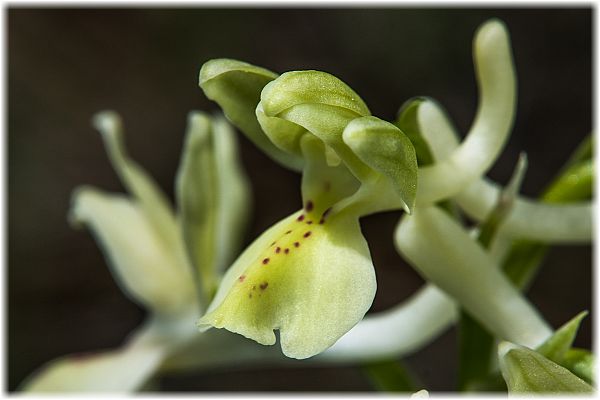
(317, 102)
(387, 150)
(284, 134)
(236, 87)
(310, 87)
(407, 122)
(526, 371)
(557, 345)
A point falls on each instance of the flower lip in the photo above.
(312, 282)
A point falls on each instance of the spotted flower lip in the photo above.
(310, 275)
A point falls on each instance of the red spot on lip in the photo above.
(307, 234)
(265, 261)
(286, 251)
(278, 249)
(296, 244)
(301, 218)
(309, 222)
(241, 278)
(322, 221)
(309, 206)
(264, 285)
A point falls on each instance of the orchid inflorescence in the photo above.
(310, 276)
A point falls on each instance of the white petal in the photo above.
(492, 124)
(528, 219)
(137, 181)
(213, 197)
(140, 259)
(120, 371)
(445, 254)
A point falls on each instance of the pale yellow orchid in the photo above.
(168, 263)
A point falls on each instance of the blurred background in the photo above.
(66, 64)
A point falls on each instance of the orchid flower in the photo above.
(313, 122)
(311, 274)
(155, 254)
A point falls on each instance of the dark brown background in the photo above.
(64, 65)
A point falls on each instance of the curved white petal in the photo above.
(445, 254)
(528, 219)
(492, 124)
